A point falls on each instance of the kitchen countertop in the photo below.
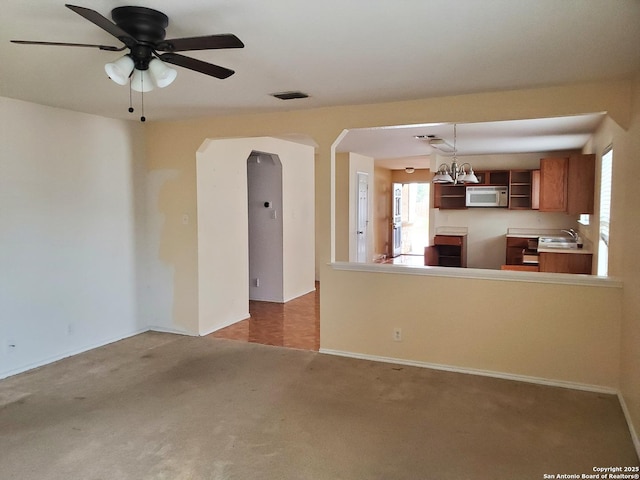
(587, 248)
(452, 231)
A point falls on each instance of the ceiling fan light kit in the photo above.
(142, 31)
(141, 81)
(120, 70)
(161, 74)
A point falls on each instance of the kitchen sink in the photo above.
(557, 242)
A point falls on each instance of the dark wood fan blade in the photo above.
(208, 42)
(104, 23)
(62, 44)
(196, 65)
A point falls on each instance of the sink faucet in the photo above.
(572, 233)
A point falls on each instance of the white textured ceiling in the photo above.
(339, 52)
(394, 146)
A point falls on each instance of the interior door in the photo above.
(396, 225)
(362, 219)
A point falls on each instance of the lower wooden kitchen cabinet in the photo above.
(447, 251)
(517, 246)
(565, 262)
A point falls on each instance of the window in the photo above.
(605, 211)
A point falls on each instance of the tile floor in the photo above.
(295, 324)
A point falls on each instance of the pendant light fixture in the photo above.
(454, 173)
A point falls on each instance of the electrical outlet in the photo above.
(11, 346)
(71, 328)
(397, 334)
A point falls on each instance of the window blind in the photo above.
(605, 195)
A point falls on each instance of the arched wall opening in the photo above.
(223, 226)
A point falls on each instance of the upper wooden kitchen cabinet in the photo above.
(581, 188)
(567, 184)
(553, 184)
(449, 196)
(520, 193)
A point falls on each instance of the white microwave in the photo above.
(487, 196)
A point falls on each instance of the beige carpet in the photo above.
(159, 406)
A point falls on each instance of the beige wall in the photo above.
(172, 146)
(420, 175)
(562, 333)
(342, 183)
(382, 208)
(629, 270)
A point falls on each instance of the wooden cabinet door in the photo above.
(553, 184)
(535, 190)
(566, 262)
(431, 256)
(437, 194)
(515, 247)
(581, 184)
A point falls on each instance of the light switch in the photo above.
(185, 218)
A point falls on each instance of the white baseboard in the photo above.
(224, 325)
(506, 376)
(69, 353)
(473, 371)
(171, 330)
(632, 430)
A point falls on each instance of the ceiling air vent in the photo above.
(436, 142)
(289, 95)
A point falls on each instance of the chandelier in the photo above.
(454, 173)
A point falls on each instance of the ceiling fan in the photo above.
(142, 31)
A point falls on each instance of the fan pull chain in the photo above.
(142, 118)
(130, 97)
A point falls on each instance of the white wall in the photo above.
(71, 232)
(264, 175)
(223, 271)
(298, 214)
